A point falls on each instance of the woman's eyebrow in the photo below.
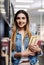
(23, 17)
(18, 17)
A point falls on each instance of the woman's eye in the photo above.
(18, 17)
(23, 17)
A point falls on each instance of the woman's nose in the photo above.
(21, 20)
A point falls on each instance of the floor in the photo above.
(41, 60)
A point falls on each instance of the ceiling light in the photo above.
(24, 1)
(2, 10)
(41, 10)
(22, 6)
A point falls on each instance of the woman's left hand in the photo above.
(34, 48)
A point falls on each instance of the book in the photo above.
(34, 39)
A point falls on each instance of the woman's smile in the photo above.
(21, 24)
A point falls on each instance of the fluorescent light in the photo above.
(2, 10)
(22, 6)
(19, 9)
(41, 10)
(24, 1)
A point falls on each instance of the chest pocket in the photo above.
(18, 44)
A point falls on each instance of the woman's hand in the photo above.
(34, 48)
(26, 53)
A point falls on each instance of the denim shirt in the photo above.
(15, 61)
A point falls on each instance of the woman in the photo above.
(21, 35)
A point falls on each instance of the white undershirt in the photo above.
(23, 58)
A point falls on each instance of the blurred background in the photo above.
(35, 10)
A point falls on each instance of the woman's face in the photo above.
(21, 20)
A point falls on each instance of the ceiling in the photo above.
(33, 7)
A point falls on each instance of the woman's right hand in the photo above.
(27, 53)
(31, 53)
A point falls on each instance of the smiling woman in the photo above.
(20, 39)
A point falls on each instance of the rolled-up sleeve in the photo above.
(40, 53)
(12, 55)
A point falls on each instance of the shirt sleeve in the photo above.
(12, 55)
(40, 53)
